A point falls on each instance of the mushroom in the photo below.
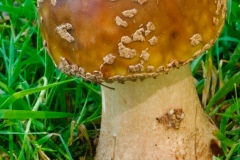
(141, 49)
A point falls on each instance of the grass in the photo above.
(45, 114)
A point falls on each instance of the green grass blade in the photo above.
(229, 86)
(23, 114)
(21, 94)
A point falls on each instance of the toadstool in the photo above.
(141, 48)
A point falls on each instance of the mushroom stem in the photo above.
(158, 118)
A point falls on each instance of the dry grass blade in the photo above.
(83, 134)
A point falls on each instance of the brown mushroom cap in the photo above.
(107, 40)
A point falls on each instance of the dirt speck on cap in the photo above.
(153, 40)
(215, 21)
(120, 22)
(138, 35)
(136, 68)
(141, 1)
(62, 30)
(130, 13)
(150, 68)
(126, 52)
(108, 59)
(54, 2)
(126, 39)
(196, 39)
(144, 55)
